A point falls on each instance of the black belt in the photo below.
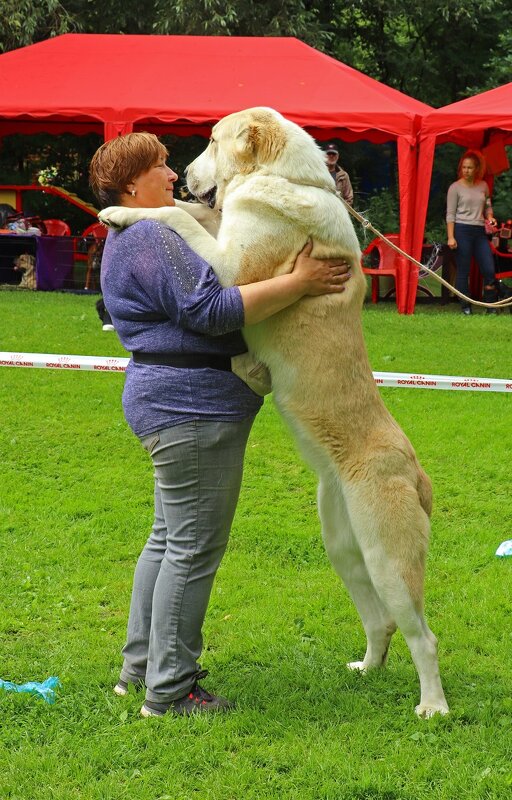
(184, 360)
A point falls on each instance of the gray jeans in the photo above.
(198, 472)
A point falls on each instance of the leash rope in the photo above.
(367, 225)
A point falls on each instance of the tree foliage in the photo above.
(112, 16)
(240, 18)
(23, 22)
(432, 50)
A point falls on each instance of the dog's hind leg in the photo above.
(348, 562)
(392, 529)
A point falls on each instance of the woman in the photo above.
(468, 206)
(191, 413)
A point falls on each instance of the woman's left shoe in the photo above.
(490, 296)
(197, 701)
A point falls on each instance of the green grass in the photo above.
(75, 508)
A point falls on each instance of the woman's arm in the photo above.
(187, 288)
(451, 210)
(488, 211)
(309, 277)
(450, 233)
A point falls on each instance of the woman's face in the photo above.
(468, 170)
(154, 188)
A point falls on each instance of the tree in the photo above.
(113, 16)
(239, 18)
(433, 51)
(26, 21)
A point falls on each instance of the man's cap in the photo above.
(331, 148)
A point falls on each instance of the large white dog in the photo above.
(269, 179)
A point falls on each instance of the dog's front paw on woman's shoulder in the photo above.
(112, 217)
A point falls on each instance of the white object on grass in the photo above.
(505, 548)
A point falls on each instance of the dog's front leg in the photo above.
(183, 223)
(207, 217)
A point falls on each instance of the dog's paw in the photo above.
(429, 710)
(114, 217)
(358, 666)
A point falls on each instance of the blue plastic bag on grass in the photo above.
(46, 689)
(505, 548)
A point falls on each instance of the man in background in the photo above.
(339, 176)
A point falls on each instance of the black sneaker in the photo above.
(466, 310)
(197, 701)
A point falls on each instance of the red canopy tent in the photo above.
(114, 84)
(475, 122)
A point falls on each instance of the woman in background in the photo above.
(468, 206)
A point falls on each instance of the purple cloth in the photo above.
(54, 261)
(147, 268)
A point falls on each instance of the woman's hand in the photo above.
(452, 243)
(320, 276)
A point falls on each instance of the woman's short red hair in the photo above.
(117, 162)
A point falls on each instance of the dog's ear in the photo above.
(260, 138)
(243, 141)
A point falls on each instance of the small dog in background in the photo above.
(26, 264)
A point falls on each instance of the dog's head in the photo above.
(24, 263)
(251, 140)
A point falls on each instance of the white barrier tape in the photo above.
(403, 380)
(53, 361)
(398, 379)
